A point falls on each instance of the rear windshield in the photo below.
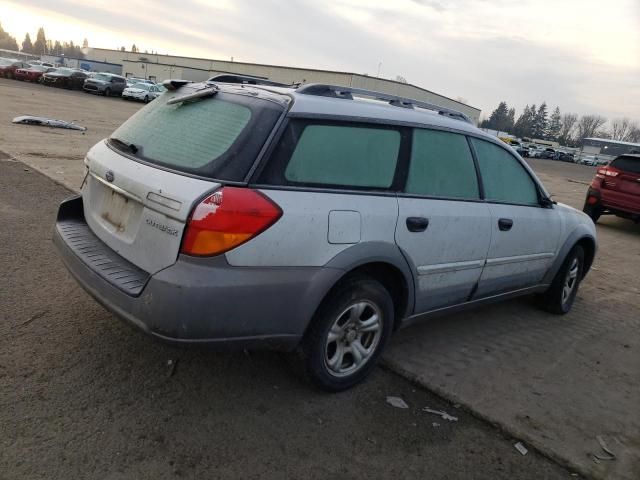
(103, 76)
(217, 137)
(627, 164)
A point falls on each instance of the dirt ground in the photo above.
(84, 396)
(56, 152)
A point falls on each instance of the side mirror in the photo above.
(546, 202)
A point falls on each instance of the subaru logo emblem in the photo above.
(109, 176)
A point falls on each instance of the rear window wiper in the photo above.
(208, 91)
(129, 147)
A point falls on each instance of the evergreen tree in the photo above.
(540, 122)
(134, 49)
(555, 125)
(524, 125)
(85, 43)
(57, 48)
(40, 45)
(511, 120)
(499, 119)
(7, 42)
(27, 46)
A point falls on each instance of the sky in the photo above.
(581, 55)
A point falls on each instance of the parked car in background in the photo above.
(64, 77)
(144, 92)
(8, 67)
(106, 84)
(547, 153)
(362, 217)
(131, 81)
(615, 189)
(44, 64)
(33, 73)
(564, 156)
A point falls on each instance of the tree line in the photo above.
(566, 129)
(41, 45)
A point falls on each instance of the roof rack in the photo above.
(347, 93)
(246, 80)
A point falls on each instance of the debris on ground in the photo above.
(610, 455)
(441, 413)
(521, 448)
(435, 424)
(171, 364)
(47, 122)
(397, 402)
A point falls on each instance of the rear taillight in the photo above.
(227, 218)
(608, 172)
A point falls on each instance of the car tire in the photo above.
(146, 99)
(348, 334)
(107, 92)
(561, 294)
(593, 211)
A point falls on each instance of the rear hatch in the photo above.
(623, 175)
(144, 180)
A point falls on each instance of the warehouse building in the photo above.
(604, 146)
(161, 67)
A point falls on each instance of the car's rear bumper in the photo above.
(617, 202)
(197, 300)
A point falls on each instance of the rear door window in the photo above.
(503, 176)
(336, 155)
(442, 166)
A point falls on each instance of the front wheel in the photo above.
(561, 294)
(107, 92)
(146, 99)
(348, 334)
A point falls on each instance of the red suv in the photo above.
(616, 189)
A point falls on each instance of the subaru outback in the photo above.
(313, 218)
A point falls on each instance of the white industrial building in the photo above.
(161, 67)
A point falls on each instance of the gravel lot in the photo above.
(86, 397)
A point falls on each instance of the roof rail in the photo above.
(245, 80)
(347, 93)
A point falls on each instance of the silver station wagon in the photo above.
(313, 218)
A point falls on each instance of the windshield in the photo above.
(4, 61)
(64, 72)
(39, 68)
(141, 86)
(103, 76)
(198, 136)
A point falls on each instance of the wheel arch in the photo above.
(580, 236)
(384, 263)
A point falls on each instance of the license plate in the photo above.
(116, 209)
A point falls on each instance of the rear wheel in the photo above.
(592, 211)
(348, 334)
(146, 99)
(107, 92)
(559, 297)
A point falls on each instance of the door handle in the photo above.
(505, 224)
(417, 224)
